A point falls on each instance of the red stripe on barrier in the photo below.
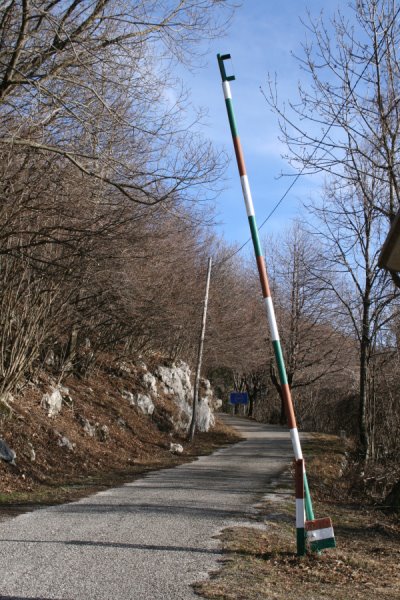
(262, 272)
(239, 156)
(288, 404)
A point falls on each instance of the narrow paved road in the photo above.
(148, 540)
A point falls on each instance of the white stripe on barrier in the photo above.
(294, 435)
(227, 90)
(247, 196)
(273, 327)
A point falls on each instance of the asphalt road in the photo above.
(148, 540)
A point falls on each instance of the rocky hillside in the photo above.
(123, 419)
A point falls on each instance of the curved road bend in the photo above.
(148, 540)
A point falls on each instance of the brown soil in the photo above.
(136, 443)
(261, 563)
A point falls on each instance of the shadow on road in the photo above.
(158, 509)
(122, 546)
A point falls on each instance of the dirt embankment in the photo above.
(98, 439)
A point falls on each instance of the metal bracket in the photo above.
(221, 58)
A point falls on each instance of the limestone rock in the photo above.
(150, 383)
(87, 426)
(205, 410)
(103, 433)
(143, 402)
(176, 381)
(32, 452)
(123, 367)
(50, 359)
(128, 396)
(176, 448)
(204, 417)
(6, 453)
(66, 397)
(52, 401)
(218, 403)
(64, 442)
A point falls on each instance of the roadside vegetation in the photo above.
(260, 560)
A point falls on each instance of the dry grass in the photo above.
(262, 563)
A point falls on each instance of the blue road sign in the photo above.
(238, 398)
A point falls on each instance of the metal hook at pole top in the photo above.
(221, 58)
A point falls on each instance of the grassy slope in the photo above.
(261, 563)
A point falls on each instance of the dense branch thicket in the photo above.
(88, 82)
(345, 124)
(101, 181)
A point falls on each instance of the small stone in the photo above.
(128, 396)
(175, 448)
(122, 367)
(50, 358)
(104, 433)
(87, 426)
(64, 442)
(52, 401)
(32, 452)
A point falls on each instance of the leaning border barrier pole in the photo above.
(262, 272)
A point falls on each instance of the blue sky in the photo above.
(261, 38)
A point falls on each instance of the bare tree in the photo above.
(346, 120)
(96, 165)
(345, 124)
(88, 81)
(26, 315)
(351, 232)
(303, 308)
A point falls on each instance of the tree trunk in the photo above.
(392, 500)
(252, 398)
(277, 385)
(365, 353)
(364, 441)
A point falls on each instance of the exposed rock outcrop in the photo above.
(142, 401)
(176, 381)
(6, 453)
(52, 401)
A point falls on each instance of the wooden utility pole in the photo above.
(200, 354)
